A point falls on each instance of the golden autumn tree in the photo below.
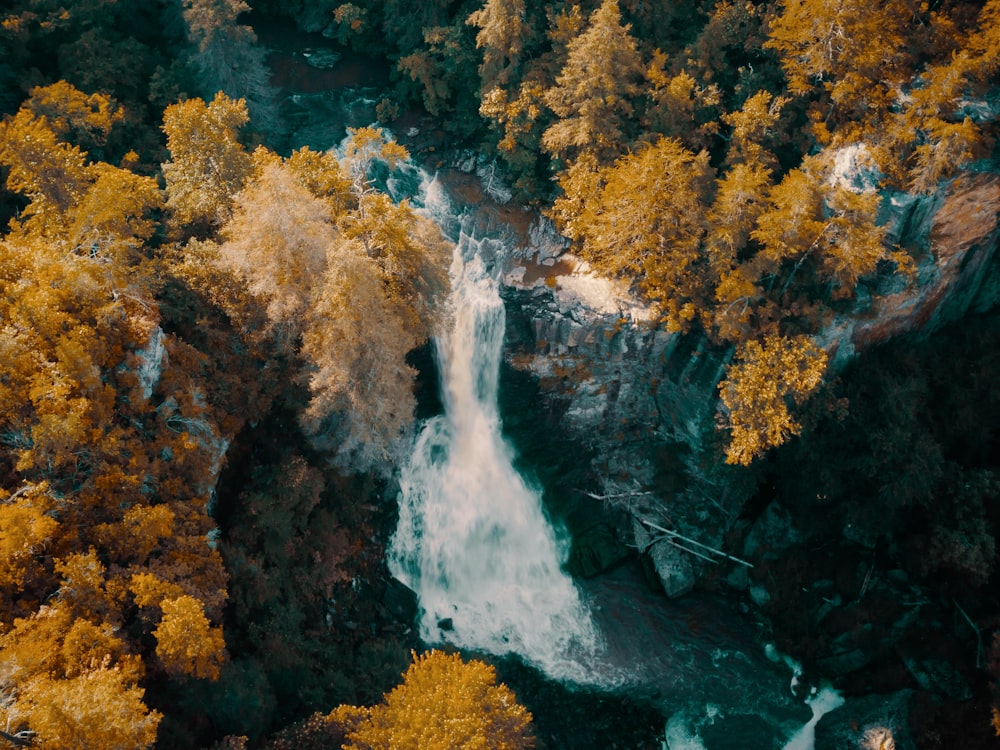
(186, 642)
(208, 165)
(79, 118)
(276, 243)
(681, 108)
(84, 207)
(443, 702)
(98, 708)
(643, 218)
(50, 173)
(813, 219)
(759, 387)
(72, 683)
(593, 97)
(356, 344)
(851, 49)
(501, 37)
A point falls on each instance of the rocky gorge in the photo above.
(644, 404)
(618, 422)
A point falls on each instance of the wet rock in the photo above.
(674, 567)
(595, 550)
(937, 676)
(845, 662)
(738, 578)
(759, 595)
(953, 235)
(875, 722)
(771, 534)
(322, 59)
(400, 600)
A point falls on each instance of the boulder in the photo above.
(874, 722)
(674, 567)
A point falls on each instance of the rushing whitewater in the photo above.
(472, 539)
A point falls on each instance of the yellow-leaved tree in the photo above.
(443, 703)
(186, 642)
(643, 218)
(208, 165)
(276, 242)
(758, 388)
(501, 37)
(594, 94)
(852, 49)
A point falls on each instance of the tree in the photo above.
(680, 107)
(357, 344)
(98, 708)
(228, 58)
(322, 175)
(26, 533)
(72, 683)
(276, 243)
(49, 172)
(757, 390)
(208, 165)
(89, 208)
(851, 48)
(831, 224)
(594, 93)
(937, 138)
(643, 218)
(445, 72)
(753, 126)
(501, 37)
(74, 116)
(443, 702)
(185, 641)
(740, 199)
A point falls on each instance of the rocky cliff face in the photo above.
(645, 401)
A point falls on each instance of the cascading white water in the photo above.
(472, 539)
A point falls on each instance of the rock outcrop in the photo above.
(645, 400)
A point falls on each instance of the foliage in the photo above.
(226, 55)
(276, 242)
(758, 387)
(643, 218)
(185, 641)
(593, 95)
(208, 165)
(443, 702)
(502, 32)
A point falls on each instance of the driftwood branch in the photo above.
(21, 739)
(671, 537)
(613, 495)
(688, 540)
(681, 547)
(979, 635)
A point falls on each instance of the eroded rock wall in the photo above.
(645, 401)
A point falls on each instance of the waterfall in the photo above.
(473, 541)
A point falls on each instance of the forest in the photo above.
(196, 461)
